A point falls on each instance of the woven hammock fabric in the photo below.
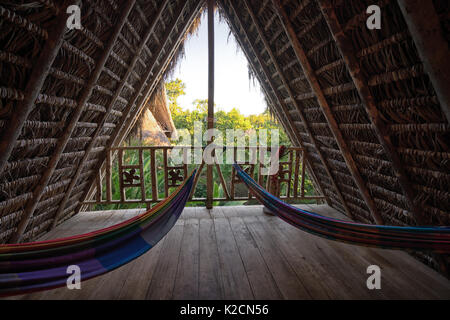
(430, 238)
(36, 266)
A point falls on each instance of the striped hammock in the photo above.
(436, 239)
(36, 266)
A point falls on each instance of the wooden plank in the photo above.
(261, 281)
(163, 280)
(140, 275)
(187, 278)
(308, 271)
(166, 174)
(234, 279)
(285, 277)
(210, 120)
(153, 174)
(210, 285)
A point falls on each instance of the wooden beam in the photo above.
(287, 125)
(39, 73)
(147, 85)
(425, 29)
(70, 126)
(314, 83)
(348, 52)
(294, 101)
(210, 120)
(105, 116)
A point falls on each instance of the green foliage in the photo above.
(185, 119)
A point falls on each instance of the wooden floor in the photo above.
(241, 253)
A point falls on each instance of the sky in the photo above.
(232, 86)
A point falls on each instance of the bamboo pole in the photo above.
(75, 116)
(210, 120)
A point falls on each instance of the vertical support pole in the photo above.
(99, 187)
(122, 189)
(142, 175)
(108, 176)
(153, 175)
(296, 167)
(302, 186)
(166, 174)
(210, 122)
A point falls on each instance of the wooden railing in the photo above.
(147, 175)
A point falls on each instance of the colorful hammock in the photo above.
(36, 266)
(436, 239)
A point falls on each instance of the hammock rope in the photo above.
(43, 265)
(429, 238)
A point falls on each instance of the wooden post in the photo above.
(109, 108)
(36, 80)
(210, 121)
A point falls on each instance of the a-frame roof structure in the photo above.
(371, 107)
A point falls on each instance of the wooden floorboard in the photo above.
(241, 253)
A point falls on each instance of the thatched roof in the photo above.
(158, 106)
(371, 114)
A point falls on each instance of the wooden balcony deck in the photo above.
(241, 253)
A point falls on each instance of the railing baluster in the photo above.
(141, 169)
(122, 189)
(297, 164)
(108, 176)
(302, 191)
(153, 174)
(166, 173)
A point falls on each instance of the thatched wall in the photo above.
(360, 101)
(25, 29)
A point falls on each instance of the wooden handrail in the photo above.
(143, 173)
